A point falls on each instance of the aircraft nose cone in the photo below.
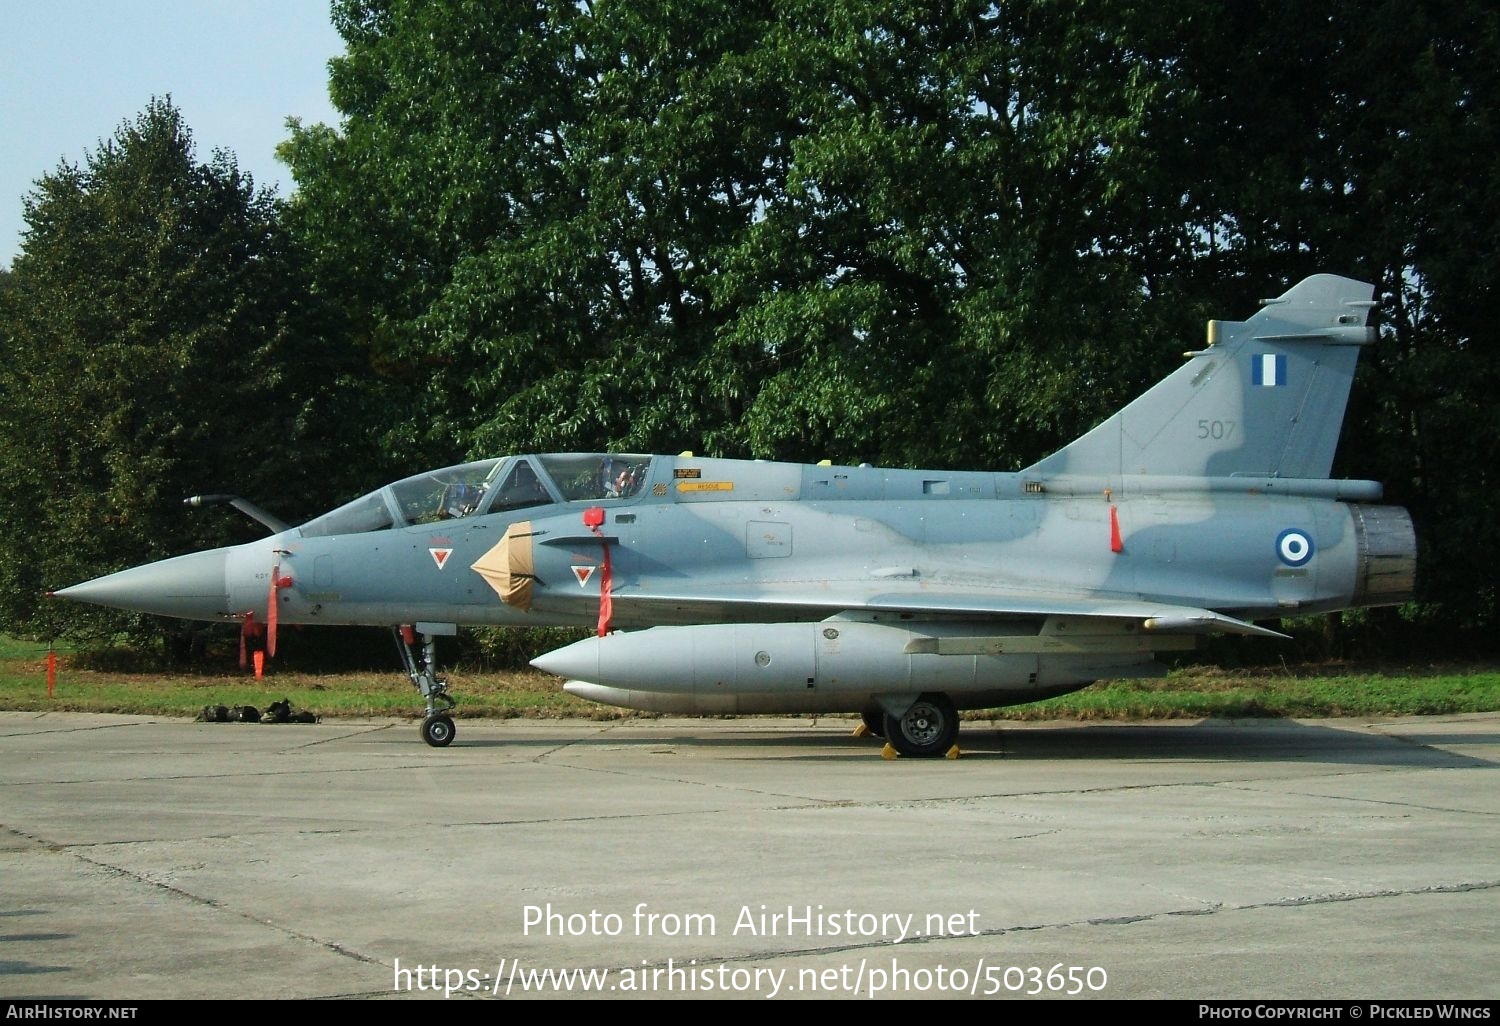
(191, 586)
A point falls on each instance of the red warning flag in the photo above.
(593, 519)
(606, 599)
(271, 615)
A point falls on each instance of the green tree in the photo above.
(957, 267)
(159, 342)
(1426, 147)
(787, 230)
(533, 195)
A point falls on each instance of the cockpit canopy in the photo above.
(488, 486)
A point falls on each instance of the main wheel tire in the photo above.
(438, 731)
(926, 730)
(874, 721)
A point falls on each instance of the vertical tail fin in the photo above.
(1265, 399)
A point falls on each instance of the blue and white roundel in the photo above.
(1294, 547)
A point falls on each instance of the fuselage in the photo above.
(708, 540)
(772, 587)
(1254, 549)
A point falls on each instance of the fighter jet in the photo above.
(721, 586)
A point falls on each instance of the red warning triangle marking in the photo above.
(440, 556)
(583, 573)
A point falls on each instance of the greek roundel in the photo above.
(1294, 547)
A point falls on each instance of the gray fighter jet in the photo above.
(729, 586)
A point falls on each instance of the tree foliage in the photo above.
(157, 344)
(875, 230)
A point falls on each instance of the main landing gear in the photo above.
(927, 729)
(437, 726)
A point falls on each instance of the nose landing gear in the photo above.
(421, 668)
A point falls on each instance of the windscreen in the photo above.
(421, 499)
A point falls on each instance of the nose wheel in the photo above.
(437, 726)
(438, 731)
